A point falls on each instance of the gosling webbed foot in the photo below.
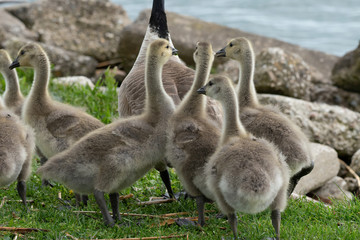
(100, 200)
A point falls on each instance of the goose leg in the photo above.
(166, 180)
(232, 218)
(275, 219)
(114, 200)
(295, 179)
(81, 198)
(99, 197)
(21, 188)
(84, 199)
(200, 203)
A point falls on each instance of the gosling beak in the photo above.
(221, 53)
(174, 51)
(201, 91)
(14, 64)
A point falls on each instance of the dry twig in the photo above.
(157, 201)
(149, 238)
(352, 172)
(22, 230)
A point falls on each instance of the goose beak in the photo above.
(14, 64)
(174, 51)
(221, 53)
(201, 91)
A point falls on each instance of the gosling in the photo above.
(267, 121)
(17, 144)
(113, 157)
(244, 174)
(193, 136)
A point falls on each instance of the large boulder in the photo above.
(346, 72)
(284, 73)
(89, 27)
(326, 166)
(334, 126)
(11, 27)
(186, 31)
(66, 63)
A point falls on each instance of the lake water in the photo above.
(331, 26)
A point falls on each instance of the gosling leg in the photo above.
(99, 197)
(114, 200)
(295, 179)
(21, 188)
(232, 218)
(166, 180)
(200, 203)
(275, 219)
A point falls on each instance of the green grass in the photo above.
(301, 219)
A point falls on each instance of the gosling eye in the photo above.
(167, 46)
(8, 116)
(211, 83)
(230, 45)
(22, 52)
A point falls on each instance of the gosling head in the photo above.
(238, 48)
(161, 49)
(218, 87)
(28, 56)
(4, 60)
(203, 51)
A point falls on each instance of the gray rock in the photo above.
(326, 166)
(351, 184)
(65, 63)
(335, 188)
(334, 126)
(280, 72)
(11, 27)
(346, 72)
(355, 162)
(186, 31)
(89, 27)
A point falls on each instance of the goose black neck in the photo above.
(158, 21)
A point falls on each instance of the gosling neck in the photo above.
(245, 88)
(157, 100)
(232, 125)
(12, 92)
(39, 89)
(194, 103)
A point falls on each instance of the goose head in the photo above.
(28, 56)
(237, 49)
(4, 60)
(203, 51)
(162, 50)
(218, 87)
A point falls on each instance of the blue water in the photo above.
(331, 26)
